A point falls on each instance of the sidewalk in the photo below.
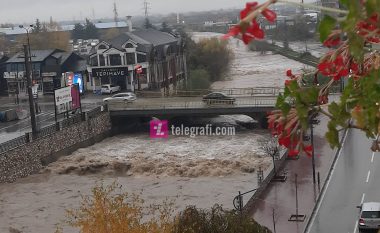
(281, 197)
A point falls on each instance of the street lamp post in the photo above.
(29, 73)
(31, 62)
(312, 121)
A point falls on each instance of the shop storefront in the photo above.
(116, 76)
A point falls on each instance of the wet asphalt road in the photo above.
(14, 129)
(355, 180)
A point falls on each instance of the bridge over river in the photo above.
(254, 102)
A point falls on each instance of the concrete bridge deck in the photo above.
(192, 106)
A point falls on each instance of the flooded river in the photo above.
(191, 171)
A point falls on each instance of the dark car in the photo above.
(218, 98)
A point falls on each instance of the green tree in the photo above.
(37, 28)
(165, 27)
(213, 55)
(148, 24)
(78, 32)
(91, 32)
(199, 79)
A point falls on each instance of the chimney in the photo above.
(129, 22)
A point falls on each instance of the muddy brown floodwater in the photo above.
(198, 171)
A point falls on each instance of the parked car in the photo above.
(122, 97)
(218, 98)
(109, 88)
(369, 218)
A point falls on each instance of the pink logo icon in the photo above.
(159, 129)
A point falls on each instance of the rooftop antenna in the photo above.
(115, 14)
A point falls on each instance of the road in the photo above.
(14, 129)
(354, 180)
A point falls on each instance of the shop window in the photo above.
(115, 60)
(141, 58)
(131, 58)
(94, 61)
(102, 61)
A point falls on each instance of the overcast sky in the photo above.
(19, 11)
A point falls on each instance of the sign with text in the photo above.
(110, 72)
(63, 100)
(67, 99)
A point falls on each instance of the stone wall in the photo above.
(31, 157)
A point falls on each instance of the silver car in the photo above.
(121, 97)
(369, 216)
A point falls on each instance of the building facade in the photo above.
(3, 82)
(160, 55)
(49, 69)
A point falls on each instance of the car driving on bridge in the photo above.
(369, 216)
(218, 98)
(121, 97)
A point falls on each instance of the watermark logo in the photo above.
(207, 130)
(159, 129)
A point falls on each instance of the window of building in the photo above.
(129, 45)
(21, 67)
(102, 61)
(94, 61)
(131, 58)
(115, 60)
(141, 58)
(102, 46)
(36, 66)
(13, 67)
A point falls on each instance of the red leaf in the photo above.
(289, 73)
(288, 82)
(256, 31)
(308, 148)
(234, 31)
(251, 5)
(284, 141)
(293, 153)
(269, 15)
(247, 38)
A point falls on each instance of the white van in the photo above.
(109, 89)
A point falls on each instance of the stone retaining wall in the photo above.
(30, 158)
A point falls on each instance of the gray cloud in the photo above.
(18, 11)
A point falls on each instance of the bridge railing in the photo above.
(255, 91)
(252, 102)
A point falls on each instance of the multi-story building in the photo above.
(3, 82)
(160, 55)
(49, 69)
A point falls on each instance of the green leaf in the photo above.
(356, 46)
(344, 2)
(285, 108)
(332, 135)
(334, 109)
(327, 24)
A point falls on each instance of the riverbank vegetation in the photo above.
(208, 61)
(111, 210)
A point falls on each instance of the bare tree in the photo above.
(271, 148)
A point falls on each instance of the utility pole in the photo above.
(115, 14)
(30, 92)
(146, 8)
